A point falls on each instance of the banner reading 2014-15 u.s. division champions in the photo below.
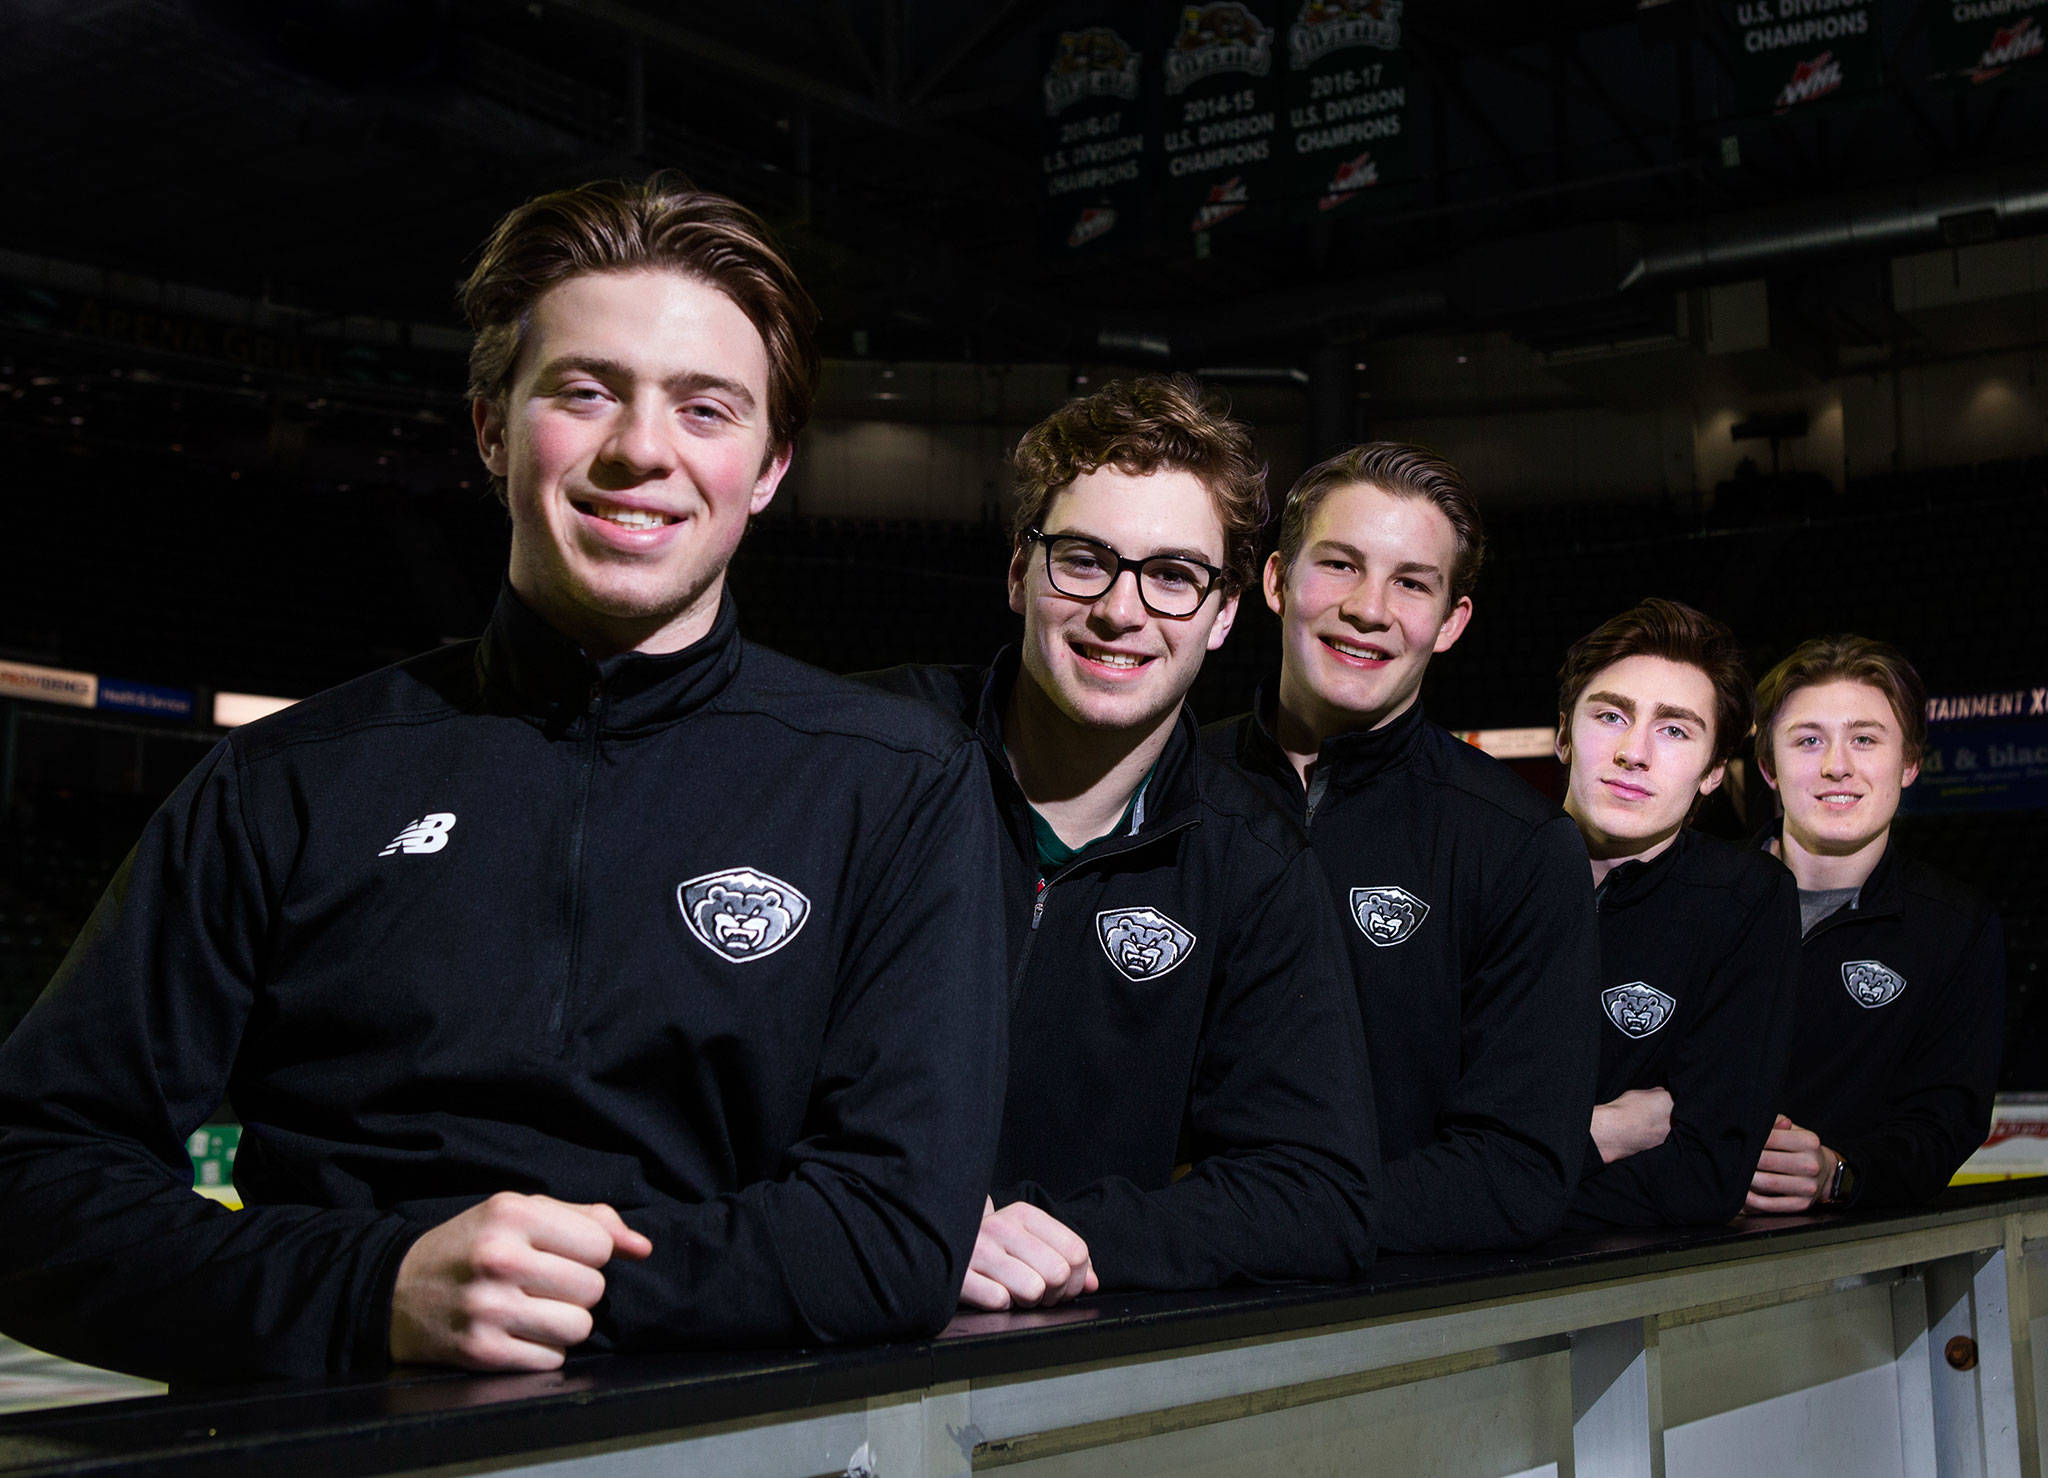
(1796, 56)
(1219, 87)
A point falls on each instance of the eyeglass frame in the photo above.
(1218, 578)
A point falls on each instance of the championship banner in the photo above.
(1220, 72)
(1095, 140)
(1346, 91)
(1976, 41)
(1796, 55)
(1985, 752)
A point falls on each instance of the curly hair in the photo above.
(620, 226)
(1151, 423)
(1406, 471)
(1850, 659)
(1676, 632)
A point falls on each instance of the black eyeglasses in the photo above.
(1170, 585)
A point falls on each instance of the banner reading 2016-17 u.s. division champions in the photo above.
(1347, 103)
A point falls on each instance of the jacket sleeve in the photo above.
(1280, 1126)
(867, 1230)
(1940, 1106)
(1509, 1141)
(1724, 1081)
(106, 1254)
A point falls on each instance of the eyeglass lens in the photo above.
(1083, 568)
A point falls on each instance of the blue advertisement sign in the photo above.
(1994, 766)
(129, 697)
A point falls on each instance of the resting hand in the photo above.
(507, 1285)
(1794, 1171)
(1638, 1120)
(1024, 1258)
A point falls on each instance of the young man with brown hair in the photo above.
(1177, 992)
(1698, 937)
(608, 983)
(1901, 1007)
(1471, 926)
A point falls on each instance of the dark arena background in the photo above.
(1741, 304)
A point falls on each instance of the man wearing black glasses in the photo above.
(1188, 1102)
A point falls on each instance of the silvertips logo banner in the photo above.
(1979, 41)
(1637, 1008)
(1095, 149)
(741, 914)
(1346, 93)
(1142, 943)
(1798, 56)
(1219, 75)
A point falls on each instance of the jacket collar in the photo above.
(547, 675)
(1348, 760)
(1631, 882)
(1883, 892)
(1170, 799)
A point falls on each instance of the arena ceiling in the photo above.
(347, 155)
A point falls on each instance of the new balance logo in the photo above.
(428, 834)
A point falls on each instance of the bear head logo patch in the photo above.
(1638, 1009)
(1143, 943)
(1387, 915)
(1872, 983)
(742, 914)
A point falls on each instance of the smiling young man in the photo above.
(1901, 1007)
(1471, 926)
(605, 984)
(1177, 992)
(1699, 939)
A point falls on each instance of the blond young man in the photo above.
(1901, 1006)
(1469, 921)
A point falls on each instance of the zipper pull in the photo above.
(1038, 904)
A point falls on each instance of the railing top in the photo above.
(416, 1419)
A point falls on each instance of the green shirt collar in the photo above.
(1054, 854)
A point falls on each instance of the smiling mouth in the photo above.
(1838, 800)
(622, 517)
(1103, 657)
(1352, 652)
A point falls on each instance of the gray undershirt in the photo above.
(1816, 904)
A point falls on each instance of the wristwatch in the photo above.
(1843, 1186)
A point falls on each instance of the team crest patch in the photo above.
(1637, 1008)
(742, 914)
(1386, 914)
(1142, 942)
(1871, 983)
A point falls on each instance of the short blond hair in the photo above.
(1851, 659)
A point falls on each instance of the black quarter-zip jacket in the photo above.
(1899, 1030)
(1699, 951)
(702, 935)
(1177, 993)
(1470, 927)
